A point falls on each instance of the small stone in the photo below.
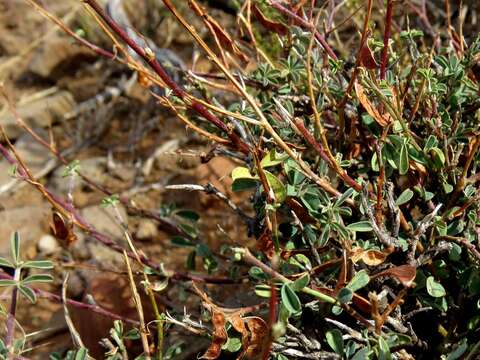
(55, 55)
(147, 230)
(38, 110)
(47, 245)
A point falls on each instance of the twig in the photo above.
(386, 38)
(94, 308)
(138, 305)
(304, 24)
(250, 259)
(12, 311)
(464, 242)
(210, 189)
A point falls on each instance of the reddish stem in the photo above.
(386, 38)
(299, 21)
(319, 148)
(95, 308)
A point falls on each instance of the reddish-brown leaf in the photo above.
(404, 273)
(63, 229)
(367, 60)
(265, 244)
(268, 24)
(239, 325)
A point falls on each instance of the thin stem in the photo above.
(299, 21)
(12, 311)
(138, 305)
(386, 38)
(252, 260)
(94, 308)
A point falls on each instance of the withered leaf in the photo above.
(382, 119)
(258, 336)
(219, 336)
(268, 24)
(367, 60)
(404, 273)
(369, 257)
(63, 229)
(223, 37)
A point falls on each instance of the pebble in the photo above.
(147, 230)
(47, 245)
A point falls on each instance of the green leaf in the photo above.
(459, 350)
(324, 236)
(6, 263)
(242, 173)
(272, 159)
(188, 214)
(181, 241)
(434, 288)
(360, 280)
(110, 201)
(363, 354)
(37, 278)
(277, 187)
(233, 344)
(189, 230)
(438, 157)
(301, 282)
(404, 197)
(263, 291)
(403, 164)
(345, 295)
(244, 184)
(383, 350)
(38, 264)
(430, 143)
(15, 247)
(28, 293)
(257, 273)
(7, 282)
(335, 340)
(81, 354)
(290, 299)
(342, 198)
(361, 226)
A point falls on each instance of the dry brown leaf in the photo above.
(369, 257)
(258, 336)
(223, 37)
(382, 119)
(265, 244)
(404, 273)
(268, 24)
(219, 336)
(239, 325)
